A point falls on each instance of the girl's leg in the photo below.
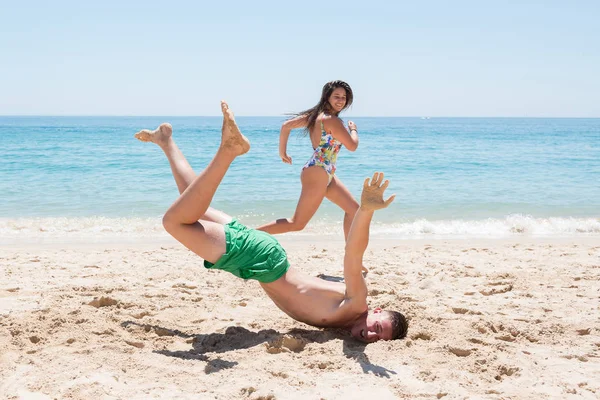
(181, 169)
(206, 238)
(339, 194)
(314, 185)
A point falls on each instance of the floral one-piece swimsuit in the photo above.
(325, 155)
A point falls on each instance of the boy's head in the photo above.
(379, 324)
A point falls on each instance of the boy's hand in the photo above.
(372, 194)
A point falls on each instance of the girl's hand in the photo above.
(352, 126)
(285, 158)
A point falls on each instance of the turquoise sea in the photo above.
(454, 177)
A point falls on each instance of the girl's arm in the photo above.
(284, 134)
(348, 137)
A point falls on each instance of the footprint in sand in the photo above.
(532, 338)
(377, 292)
(498, 283)
(163, 331)
(160, 296)
(35, 339)
(285, 343)
(572, 356)
(142, 315)
(185, 286)
(106, 332)
(496, 290)
(138, 345)
(506, 338)
(321, 364)
(103, 302)
(246, 392)
(460, 352)
(421, 335)
(460, 310)
(218, 365)
(477, 341)
(506, 371)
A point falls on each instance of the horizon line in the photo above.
(278, 116)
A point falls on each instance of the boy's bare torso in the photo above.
(313, 301)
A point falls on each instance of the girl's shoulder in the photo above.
(327, 118)
(328, 121)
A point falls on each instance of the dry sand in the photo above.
(497, 319)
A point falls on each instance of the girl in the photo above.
(327, 134)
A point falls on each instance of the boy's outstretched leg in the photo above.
(163, 137)
(182, 171)
(205, 238)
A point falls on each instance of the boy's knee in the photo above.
(168, 222)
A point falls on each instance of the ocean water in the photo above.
(453, 177)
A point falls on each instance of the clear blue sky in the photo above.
(417, 58)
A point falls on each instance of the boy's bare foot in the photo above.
(159, 136)
(231, 138)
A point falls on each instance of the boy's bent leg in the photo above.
(195, 200)
(182, 171)
(205, 238)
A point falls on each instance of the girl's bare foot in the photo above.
(159, 136)
(231, 138)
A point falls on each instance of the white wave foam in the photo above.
(79, 227)
(510, 226)
(513, 225)
(102, 227)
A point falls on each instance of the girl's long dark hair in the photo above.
(323, 105)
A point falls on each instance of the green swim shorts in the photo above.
(251, 254)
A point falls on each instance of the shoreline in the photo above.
(109, 231)
(290, 240)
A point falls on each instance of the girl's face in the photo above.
(337, 100)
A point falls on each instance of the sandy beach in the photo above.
(497, 319)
